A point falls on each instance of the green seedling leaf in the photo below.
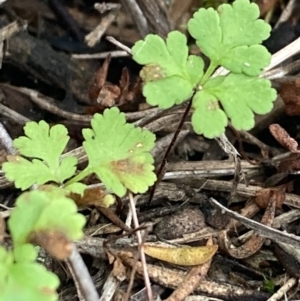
(44, 213)
(208, 118)
(241, 96)
(6, 260)
(44, 146)
(25, 253)
(77, 188)
(23, 279)
(119, 153)
(170, 75)
(230, 36)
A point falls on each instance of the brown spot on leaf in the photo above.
(151, 73)
(127, 166)
(54, 242)
(213, 105)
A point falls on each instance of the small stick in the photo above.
(6, 140)
(119, 44)
(140, 242)
(13, 115)
(286, 14)
(82, 275)
(96, 34)
(102, 55)
(137, 16)
(282, 291)
(169, 149)
(283, 54)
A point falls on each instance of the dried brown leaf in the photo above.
(252, 245)
(99, 80)
(108, 95)
(191, 280)
(93, 196)
(263, 196)
(284, 138)
(119, 270)
(290, 94)
(186, 256)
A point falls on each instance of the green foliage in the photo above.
(40, 212)
(119, 153)
(45, 218)
(170, 74)
(230, 37)
(269, 285)
(45, 147)
(23, 279)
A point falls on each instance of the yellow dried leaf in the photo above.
(187, 256)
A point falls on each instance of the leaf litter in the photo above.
(116, 95)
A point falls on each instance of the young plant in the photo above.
(230, 37)
(43, 218)
(117, 152)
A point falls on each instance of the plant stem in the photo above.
(82, 275)
(132, 202)
(78, 177)
(209, 72)
(164, 160)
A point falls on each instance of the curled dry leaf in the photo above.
(252, 245)
(99, 80)
(119, 270)
(284, 138)
(191, 280)
(263, 196)
(105, 94)
(93, 196)
(187, 256)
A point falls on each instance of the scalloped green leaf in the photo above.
(23, 279)
(208, 118)
(119, 153)
(44, 146)
(169, 73)
(227, 36)
(25, 253)
(42, 211)
(29, 281)
(167, 92)
(241, 96)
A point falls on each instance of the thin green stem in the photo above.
(208, 73)
(79, 177)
